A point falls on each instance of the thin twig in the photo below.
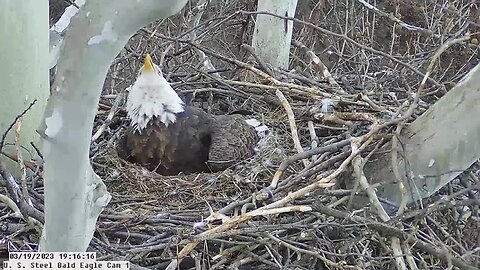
(390, 231)
(327, 32)
(4, 135)
(116, 104)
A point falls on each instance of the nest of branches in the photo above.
(360, 73)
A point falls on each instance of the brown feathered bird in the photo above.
(169, 137)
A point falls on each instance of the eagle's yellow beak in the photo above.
(148, 64)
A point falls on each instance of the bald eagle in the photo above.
(167, 136)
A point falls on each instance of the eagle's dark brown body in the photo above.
(196, 142)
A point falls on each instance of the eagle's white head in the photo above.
(151, 96)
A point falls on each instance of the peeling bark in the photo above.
(74, 194)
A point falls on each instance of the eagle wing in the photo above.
(180, 147)
(233, 140)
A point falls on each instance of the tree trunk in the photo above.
(74, 194)
(272, 36)
(439, 145)
(23, 71)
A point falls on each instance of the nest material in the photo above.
(152, 217)
(185, 191)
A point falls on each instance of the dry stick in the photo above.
(221, 81)
(327, 181)
(310, 81)
(296, 89)
(256, 85)
(396, 245)
(314, 58)
(207, 22)
(292, 123)
(12, 187)
(466, 183)
(4, 135)
(211, 26)
(334, 265)
(263, 258)
(313, 138)
(397, 20)
(363, 141)
(411, 110)
(233, 223)
(328, 262)
(355, 189)
(396, 173)
(293, 88)
(357, 166)
(403, 203)
(11, 204)
(161, 62)
(113, 80)
(439, 205)
(372, 104)
(14, 190)
(23, 179)
(322, 183)
(389, 231)
(279, 228)
(372, 196)
(244, 260)
(230, 251)
(226, 92)
(327, 32)
(111, 114)
(260, 61)
(410, 259)
(285, 163)
(437, 54)
(204, 59)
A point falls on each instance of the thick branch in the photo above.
(72, 190)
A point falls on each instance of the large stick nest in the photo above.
(376, 60)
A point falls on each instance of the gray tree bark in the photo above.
(272, 36)
(74, 194)
(437, 146)
(23, 71)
